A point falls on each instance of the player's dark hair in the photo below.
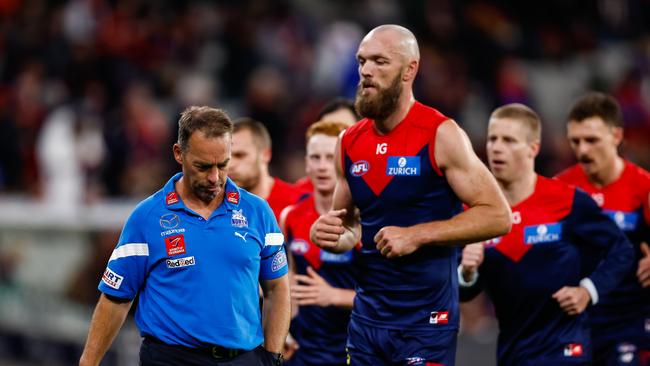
(212, 122)
(524, 115)
(336, 104)
(261, 136)
(595, 104)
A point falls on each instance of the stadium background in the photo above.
(90, 93)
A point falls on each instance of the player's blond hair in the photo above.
(524, 115)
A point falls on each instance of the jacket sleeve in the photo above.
(606, 252)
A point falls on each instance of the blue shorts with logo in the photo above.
(368, 345)
(624, 345)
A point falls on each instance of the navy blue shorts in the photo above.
(374, 346)
(156, 353)
(623, 345)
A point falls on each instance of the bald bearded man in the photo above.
(403, 173)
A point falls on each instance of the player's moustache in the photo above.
(367, 83)
(585, 159)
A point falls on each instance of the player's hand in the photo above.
(393, 241)
(312, 289)
(471, 260)
(573, 300)
(290, 347)
(327, 230)
(643, 272)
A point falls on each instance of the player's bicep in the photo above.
(468, 177)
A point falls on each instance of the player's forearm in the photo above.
(343, 298)
(348, 240)
(277, 315)
(104, 326)
(474, 225)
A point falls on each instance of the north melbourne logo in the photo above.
(238, 219)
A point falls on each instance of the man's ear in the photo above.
(266, 156)
(410, 71)
(178, 153)
(618, 135)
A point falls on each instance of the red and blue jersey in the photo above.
(625, 201)
(321, 332)
(282, 195)
(395, 180)
(559, 236)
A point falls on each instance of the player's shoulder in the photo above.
(636, 173)
(427, 117)
(364, 125)
(248, 199)
(153, 203)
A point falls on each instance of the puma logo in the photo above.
(241, 236)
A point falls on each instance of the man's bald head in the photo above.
(402, 40)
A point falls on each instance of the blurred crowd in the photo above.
(90, 90)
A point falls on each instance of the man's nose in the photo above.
(581, 148)
(213, 175)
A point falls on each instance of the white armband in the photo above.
(591, 289)
(461, 279)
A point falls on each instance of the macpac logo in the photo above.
(112, 279)
(381, 148)
(439, 317)
(573, 350)
(175, 245)
(544, 233)
(403, 166)
(180, 262)
(359, 168)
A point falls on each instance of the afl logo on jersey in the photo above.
(299, 247)
(359, 168)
